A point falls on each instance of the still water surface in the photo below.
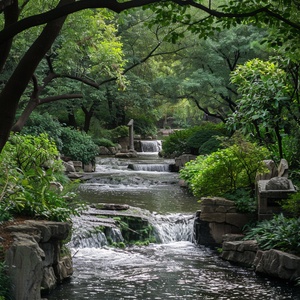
(172, 269)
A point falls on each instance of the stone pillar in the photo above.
(131, 135)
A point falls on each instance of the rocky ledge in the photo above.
(272, 262)
(34, 258)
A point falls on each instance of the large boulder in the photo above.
(33, 259)
(278, 264)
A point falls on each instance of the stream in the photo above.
(173, 267)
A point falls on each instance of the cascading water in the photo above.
(172, 267)
(151, 146)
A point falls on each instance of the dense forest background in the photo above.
(165, 65)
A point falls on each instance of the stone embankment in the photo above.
(218, 224)
(217, 217)
(272, 262)
(35, 260)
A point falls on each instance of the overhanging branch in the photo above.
(118, 7)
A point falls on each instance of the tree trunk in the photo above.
(72, 120)
(16, 85)
(32, 104)
(11, 14)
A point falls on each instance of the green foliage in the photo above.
(44, 123)
(292, 205)
(4, 283)
(224, 171)
(265, 102)
(104, 142)
(29, 168)
(135, 230)
(278, 233)
(244, 200)
(212, 145)
(119, 132)
(192, 140)
(144, 126)
(78, 145)
(197, 140)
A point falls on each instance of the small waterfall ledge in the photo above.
(148, 146)
(104, 224)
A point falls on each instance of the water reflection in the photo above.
(166, 271)
(171, 270)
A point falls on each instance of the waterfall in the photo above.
(151, 146)
(173, 227)
(95, 232)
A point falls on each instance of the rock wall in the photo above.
(217, 217)
(34, 259)
(272, 262)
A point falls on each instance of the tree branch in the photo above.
(60, 97)
(118, 7)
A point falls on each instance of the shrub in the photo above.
(104, 142)
(78, 145)
(244, 200)
(278, 233)
(196, 140)
(176, 143)
(28, 166)
(224, 171)
(119, 132)
(210, 146)
(292, 204)
(44, 123)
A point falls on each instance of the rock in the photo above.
(222, 218)
(278, 264)
(283, 168)
(33, 259)
(129, 154)
(25, 267)
(278, 183)
(273, 172)
(232, 237)
(241, 252)
(57, 186)
(104, 151)
(69, 166)
(74, 175)
(77, 165)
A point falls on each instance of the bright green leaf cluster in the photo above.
(30, 169)
(224, 171)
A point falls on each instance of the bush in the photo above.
(28, 167)
(104, 142)
(144, 126)
(292, 204)
(279, 233)
(199, 138)
(196, 140)
(224, 171)
(44, 123)
(119, 132)
(244, 200)
(78, 145)
(210, 146)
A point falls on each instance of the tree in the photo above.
(267, 12)
(265, 102)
